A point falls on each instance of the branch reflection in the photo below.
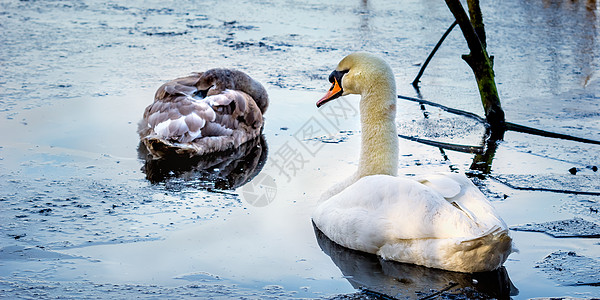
(482, 162)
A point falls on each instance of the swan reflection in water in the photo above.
(225, 170)
(383, 279)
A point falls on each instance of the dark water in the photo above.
(80, 217)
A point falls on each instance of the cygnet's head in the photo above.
(359, 73)
(215, 81)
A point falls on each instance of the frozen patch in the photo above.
(568, 268)
(575, 227)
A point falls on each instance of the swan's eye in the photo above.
(332, 76)
(337, 75)
(203, 93)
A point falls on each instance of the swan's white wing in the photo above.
(379, 209)
(446, 186)
(464, 195)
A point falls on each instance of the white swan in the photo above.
(440, 221)
(204, 113)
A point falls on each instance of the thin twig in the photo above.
(509, 126)
(415, 82)
(529, 130)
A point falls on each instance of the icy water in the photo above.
(84, 216)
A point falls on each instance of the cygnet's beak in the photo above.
(334, 92)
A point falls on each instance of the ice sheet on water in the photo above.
(575, 227)
(337, 138)
(569, 268)
(199, 276)
(21, 252)
(557, 182)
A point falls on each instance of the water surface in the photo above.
(81, 219)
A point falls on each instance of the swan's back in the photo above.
(405, 220)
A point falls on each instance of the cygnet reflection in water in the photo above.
(379, 277)
(225, 170)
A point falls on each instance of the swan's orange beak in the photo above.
(334, 92)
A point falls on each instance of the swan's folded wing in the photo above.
(179, 119)
(378, 208)
(469, 199)
(185, 86)
(234, 109)
(448, 188)
(444, 185)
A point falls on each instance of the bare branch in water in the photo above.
(453, 147)
(509, 126)
(415, 82)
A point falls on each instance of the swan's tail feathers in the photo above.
(162, 148)
(495, 235)
(488, 251)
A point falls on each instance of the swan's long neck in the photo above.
(379, 141)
